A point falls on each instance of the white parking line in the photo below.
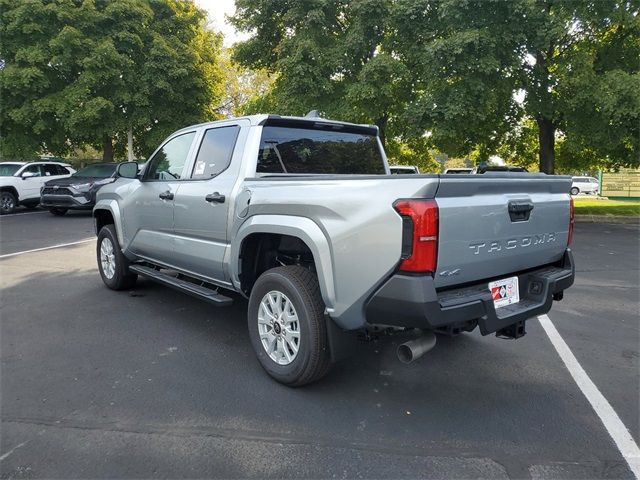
(619, 433)
(6, 455)
(7, 255)
(20, 214)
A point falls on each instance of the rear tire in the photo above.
(575, 191)
(8, 203)
(279, 296)
(58, 212)
(112, 264)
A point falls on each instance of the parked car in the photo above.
(77, 192)
(20, 182)
(404, 170)
(588, 185)
(465, 171)
(301, 216)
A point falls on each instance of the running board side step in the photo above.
(189, 288)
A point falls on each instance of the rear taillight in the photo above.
(419, 235)
(571, 221)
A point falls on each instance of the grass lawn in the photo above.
(598, 206)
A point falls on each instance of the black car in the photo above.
(77, 192)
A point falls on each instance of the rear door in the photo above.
(496, 224)
(203, 202)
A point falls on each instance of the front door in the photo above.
(202, 205)
(148, 208)
(31, 182)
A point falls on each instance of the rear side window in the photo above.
(168, 162)
(318, 151)
(215, 151)
(51, 170)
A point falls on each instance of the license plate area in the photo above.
(505, 292)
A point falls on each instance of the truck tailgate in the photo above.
(495, 224)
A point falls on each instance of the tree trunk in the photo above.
(547, 140)
(130, 144)
(382, 126)
(107, 149)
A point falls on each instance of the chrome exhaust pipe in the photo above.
(414, 349)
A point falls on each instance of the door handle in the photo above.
(166, 195)
(215, 198)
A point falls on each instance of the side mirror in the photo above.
(127, 170)
(26, 175)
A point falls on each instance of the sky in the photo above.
(217, 9)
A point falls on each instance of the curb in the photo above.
(608, 219)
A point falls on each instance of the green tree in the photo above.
(90, 72)
(575, 62)
(328, 55)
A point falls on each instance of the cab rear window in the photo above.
(296, 150)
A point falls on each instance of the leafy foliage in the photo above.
(483, 76)
(86, 72)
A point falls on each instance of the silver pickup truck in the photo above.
(301, 216)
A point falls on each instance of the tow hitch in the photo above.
(515, 330)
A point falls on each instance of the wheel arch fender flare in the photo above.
(301, 227)
(113, 208)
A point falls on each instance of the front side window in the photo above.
(318, 151)
(32, 169)
(215, 151)
(168, 162)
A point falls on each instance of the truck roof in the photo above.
(263, 118)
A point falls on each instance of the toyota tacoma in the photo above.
(301, 216)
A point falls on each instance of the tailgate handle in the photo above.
(519, 211)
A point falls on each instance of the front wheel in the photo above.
(113, 265)
(8, 203)
(575, 190)
(287, 327)
(58, 212)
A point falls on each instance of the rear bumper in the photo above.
(412, 301)
(67, 201)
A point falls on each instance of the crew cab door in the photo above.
(202, 203)
(148, 209)
(32, 177)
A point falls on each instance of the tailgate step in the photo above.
(208, 294)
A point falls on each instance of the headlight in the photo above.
(82, 187)
(85, 187)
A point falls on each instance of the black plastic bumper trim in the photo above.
(412, 301)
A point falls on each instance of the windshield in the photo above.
(102, 170)
(318, 151)
(9, 169)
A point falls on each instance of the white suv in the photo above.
(20, 182)
(584, 185)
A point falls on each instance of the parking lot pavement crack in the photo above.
(437, 450)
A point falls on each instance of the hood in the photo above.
(65, 182)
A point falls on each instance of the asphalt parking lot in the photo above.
(152, 383)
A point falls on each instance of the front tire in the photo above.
(112, 264)
(58, 212)
(287, 327)
(575, 191)
(8, 203)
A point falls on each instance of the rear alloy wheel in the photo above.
(58, 212)
(575, 190)
(112, 264)
(8, 203)
(287, 325)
